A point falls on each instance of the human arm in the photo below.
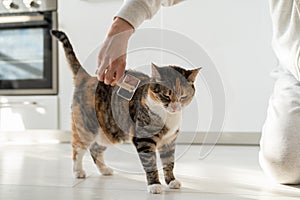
(112, 55)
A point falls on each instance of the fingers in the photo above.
(109, 76)
(102, 70)
(112, 73)
(118, 74)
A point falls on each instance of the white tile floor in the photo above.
(44, 172)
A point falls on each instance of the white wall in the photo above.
(236, 34)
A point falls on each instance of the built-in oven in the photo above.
(28, 54)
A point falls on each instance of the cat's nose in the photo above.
(175, 106)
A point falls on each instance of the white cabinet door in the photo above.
(19, 113)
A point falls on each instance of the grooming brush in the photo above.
(127, 86)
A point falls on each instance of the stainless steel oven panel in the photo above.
(46, 5)
(54, 89)
(6, 19)
(19, 6)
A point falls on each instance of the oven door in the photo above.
(28, 55)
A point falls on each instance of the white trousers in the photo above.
(279, 153)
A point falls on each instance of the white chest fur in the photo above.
(171, 120)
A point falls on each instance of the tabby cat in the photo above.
(150, 119)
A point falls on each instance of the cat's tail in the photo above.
(69, 52)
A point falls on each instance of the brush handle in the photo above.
(126, 86)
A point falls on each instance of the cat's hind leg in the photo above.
(97, 153)
(82, 139)
(78, 154)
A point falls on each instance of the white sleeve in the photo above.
(285, 16)
(137, 11)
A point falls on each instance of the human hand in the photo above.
(112, 55)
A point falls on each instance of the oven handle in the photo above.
(22, 21)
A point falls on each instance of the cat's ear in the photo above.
(155, 72)
(192, 74)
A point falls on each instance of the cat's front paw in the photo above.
(175, 184)
(155, 188)
(106, 171)
(79, 174)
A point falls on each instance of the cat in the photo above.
(150, 120)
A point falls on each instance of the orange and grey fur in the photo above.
(150, 120)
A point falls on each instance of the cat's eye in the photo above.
(166, 97)
(156, 90)
(183, 98)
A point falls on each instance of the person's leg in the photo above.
(280, 142)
